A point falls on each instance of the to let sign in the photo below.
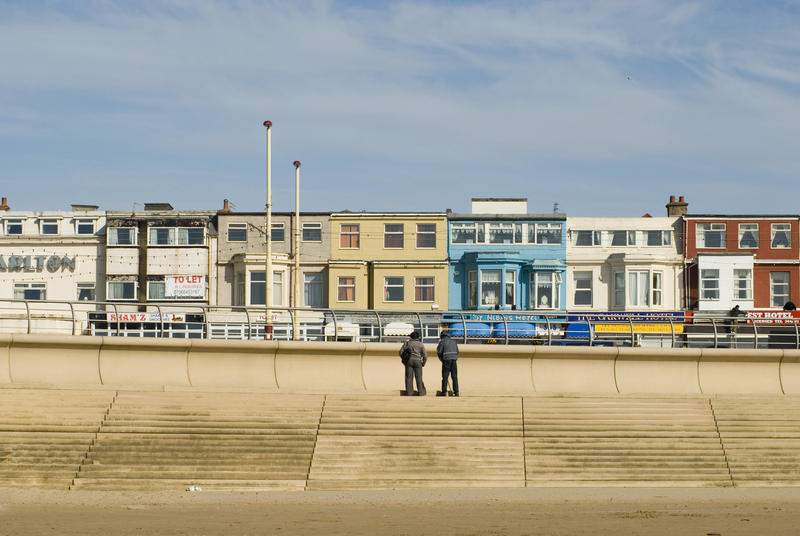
(185, 286)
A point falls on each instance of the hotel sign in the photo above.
(36, 263)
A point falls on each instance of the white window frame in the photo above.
(48, 222)
(86, 286)
(387, 285)
(581, 275)
(533, 233)
(742, 284)
(20, 288)
(277, 288)
(176, 236)
(500, 227)
(430, 287)
(347, 285)
(775, 299)
(464, 228)
(596, 238)
(350, 235)
(236, 226)
(8, 222)
(707, 276)
(133, 285)
(79, 222)
(316, 285)
(775, 228)
(112, 238)
(426, 233)
(700, 234)
(499, 296)
(310, 226)
(510, 283)
(163, 285)
(275, 228)
(394, 234)
(630, 238)
(665, 238)
(748, 227)
(555, 289)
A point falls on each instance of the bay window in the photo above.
(491, 287)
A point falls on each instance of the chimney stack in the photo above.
(676, 208)
(4, 204)
(226, 207)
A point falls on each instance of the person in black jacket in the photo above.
(414, 357)
(447, 350)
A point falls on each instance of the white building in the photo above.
(624, 264)
(52, 255)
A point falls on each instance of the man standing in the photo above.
(414, 357)
(447, 350)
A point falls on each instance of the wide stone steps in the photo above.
(44, 434)
(214, 440)
(593, 440)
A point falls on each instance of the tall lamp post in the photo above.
(296, 322)
(268, 239)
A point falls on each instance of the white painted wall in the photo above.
(726, 264)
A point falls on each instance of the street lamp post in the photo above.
(296, 322)
(268, 239)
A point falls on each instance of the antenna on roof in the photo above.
(555, 207)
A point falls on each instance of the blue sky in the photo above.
(604, 107)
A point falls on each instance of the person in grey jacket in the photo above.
(414, 357)
(447, 350)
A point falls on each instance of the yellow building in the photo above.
(388, 261)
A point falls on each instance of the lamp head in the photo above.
(297, 163)
(267, 124)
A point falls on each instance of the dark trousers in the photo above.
(414, 371)
(450, 368)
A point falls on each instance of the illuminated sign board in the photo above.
(36, 263)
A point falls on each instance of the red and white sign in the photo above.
(185, 286)
(773, 317)
(146, 317)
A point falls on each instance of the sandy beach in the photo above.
(676, 511)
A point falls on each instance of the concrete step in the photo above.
(177, 484)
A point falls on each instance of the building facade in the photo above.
(241, 259)
(748, 260)
(624, 264)
(52, 255)
(502, 257)
(388, 261)
(160, 255)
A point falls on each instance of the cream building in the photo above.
(388, 261)
(624, 264)
(52, 255)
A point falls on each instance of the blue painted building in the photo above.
(502, 257)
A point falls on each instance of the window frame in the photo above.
(499, 296)
(113, 232)
(748, 287)
(306, 287)
(753, 227)
(84, 221)
(472, 289)
(8, 222)
(342, 285)
(500, 229)
(86, 286)
(721, 228)
(664, 238)
(535, 235)
(421, 289)
(774, 234)
(421, 234)
(705, 287)
(390, 236)
(133, 285)
(395, 285)
(352, 236)
(277, 227)
(596, 238)
(630, 238)
(555, 289)
(236, 226)
(773, 284)
(464, 228)
(576, 289)
(29, 286)
(47, 222)
(310, 226)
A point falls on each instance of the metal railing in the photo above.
(192, 320)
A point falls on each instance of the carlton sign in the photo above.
(36, 263)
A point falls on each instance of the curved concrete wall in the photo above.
(376, 367)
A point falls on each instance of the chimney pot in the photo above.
(681, 199)
(672, 199)
(4, 204)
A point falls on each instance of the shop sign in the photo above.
(36, 263)
(638, 328)
(773, 317)
(185, 286)
(146, 317)
(627, 316)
